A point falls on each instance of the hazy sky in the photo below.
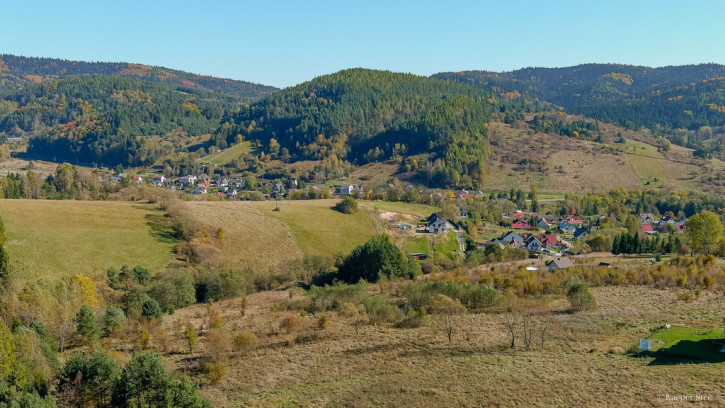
(282, 43)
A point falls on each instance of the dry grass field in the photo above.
(59, 238)
(583, 364)
(258, 237)
(252, 239)
(569, 165)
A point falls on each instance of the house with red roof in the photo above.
(522, 225)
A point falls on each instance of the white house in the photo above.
(159, 181)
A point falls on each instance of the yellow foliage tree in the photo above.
(88, 290)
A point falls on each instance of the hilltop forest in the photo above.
(685, 104)
(435, 129)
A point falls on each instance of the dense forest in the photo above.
(364, 116)
(15, 71)
(94, 119)
(686, 104)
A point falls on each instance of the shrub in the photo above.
(381, 311)
(113, 319)
(414, 319)
(290, 324)
(174, 290)
(215, 372)
(348, 205)
(192, 339)
(322, 323)
(331, 297)
(151, 310)
(246, 341)
(580, 298)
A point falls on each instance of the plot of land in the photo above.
(317, 228)
(228, 155)
(60, 238)
(583, 364)
(252, 239)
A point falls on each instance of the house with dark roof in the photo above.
(464, 211)
(436, 223)
(532, 244)
(278, 190)
(580, 234)
(559, 264)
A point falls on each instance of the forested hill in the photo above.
(16, 70)
(367, 115)
(108, 120)
(684, 102)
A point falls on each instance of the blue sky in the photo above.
(283, 43)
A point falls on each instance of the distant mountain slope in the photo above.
(367, 115)
(108, 119)
(16, 70)
(669, 98)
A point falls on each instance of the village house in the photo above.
(201, 188)
(532, 244)
(559, 264)
(522, 225)
(436, 223)
(138, 179)
(548, 241)
(278, 190)
(545, 221)
(580, 234)
(187, 181)
(231, 192)
(479, 194)
(647, 218)
(512, 237)
(348, 189)
(159, 181)
(463, 210)
(648, 229)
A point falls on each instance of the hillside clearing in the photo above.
(228, 155)
(60, 238)
(317, 228)
(252, 239)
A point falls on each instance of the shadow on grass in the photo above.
(689, 351)
(161, 228)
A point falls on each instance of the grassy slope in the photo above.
(583, 364)
(252, 239)
(258, 237)
(65, 237)
(317, 228)
(228, 155)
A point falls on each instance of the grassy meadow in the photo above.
(317, 228)
(228, 155)
(61, 238)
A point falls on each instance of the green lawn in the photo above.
(447, 243)
(229, 155)
(688, 343)
(421, 244)
(317, 228)
(60, 238)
